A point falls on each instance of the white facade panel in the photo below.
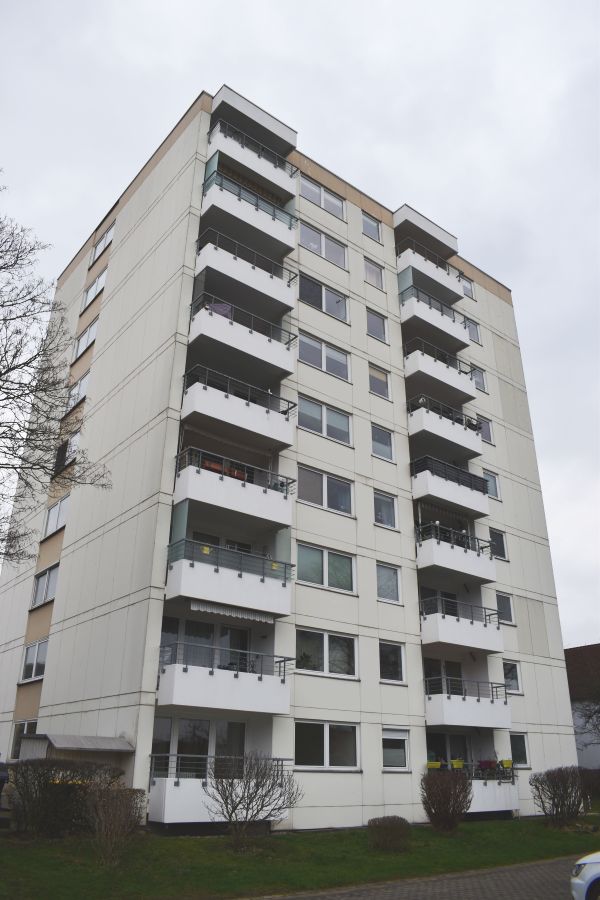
(494, 796)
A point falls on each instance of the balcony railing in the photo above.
(456, 609)
(218, 307)
(188, 765)
(502, 771)
(244, 140)
(438, 261)
(453, 362)
(232, 468)
(207, 656)
(442, 534)
(236, 388)
(434, 303)
(222, 557)
(444, 412)
(461, 687)
(234, 187)
(240, 251)
(448, 472)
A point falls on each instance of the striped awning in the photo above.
(234, 612)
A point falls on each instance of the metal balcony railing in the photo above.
(210, 378)
(188, 765)
(449, 473)
(456, 609)
(500, 771)
(249, 143)
(438, 261)
(462, 687)
(444, 412)
(224, 183)
(216, 306)
(232, 468)
(416, 345)
(240, 251)
(222, 557)
(440, 533)
(433, 303)
(207, 656)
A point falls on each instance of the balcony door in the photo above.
(192, 747)
(233, 649)
(230, 739)
(198, 644)
(442, 676)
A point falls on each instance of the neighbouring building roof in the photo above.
(583, 672)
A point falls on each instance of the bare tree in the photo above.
(446, 798)
(559, 794)
(249, 789)
(34, 357)
(587, 722)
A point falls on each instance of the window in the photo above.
(478, 378)
(394, 744)
(385, 509)
(504, 606)
(324, 420)
(35, 660)
(391, 662)
(326, 567)
(467, 286)
(102, 243)
(56, 516)
(323, 356)
(473, 329)
(94, 289)
(322, 244)
(323, 298)
(512, 676)
(492, 484)
(373, 274)
(376, 325)
(325, 744)
(518, 749)
(77, 392)
(332, 654)
(324, 490)
(66, 452)
(378, 381)
(387, 583)
(86, 338)
(370, 226)
(314, 192)
(498, 546)
(485, 430)
(381, 440)
(44, 587)
(22, 729)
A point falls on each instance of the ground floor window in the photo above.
(326, 744)
(518, 749)
(394, 744)
(22, 729)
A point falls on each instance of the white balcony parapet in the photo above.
(448, 621)
(445, 425)
(411, 253)
(432, 366)
(251, 153)
(437, 481)
(466, 704)
(444, 548)
(494, 796)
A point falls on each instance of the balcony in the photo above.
(439, 482)
(177, 785)
(239, 271)
(462, 703)
(442, 431)
(446, 553)
(446, 621)
(236, 486)
(265, 164)
(226, 202)
(493, 795)
(431, 272)
(423, 316)
(208, 677)
(236, 410)
(428, 369)
(229, 577)
(216, 320)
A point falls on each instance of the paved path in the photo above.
(528, 881)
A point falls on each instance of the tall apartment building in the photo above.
(325, 539)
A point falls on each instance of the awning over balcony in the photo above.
(235, 612)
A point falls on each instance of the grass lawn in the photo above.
(197, 868)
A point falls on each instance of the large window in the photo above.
(86, 338)
(518, 749)
(373, 274)
(492, 483)
(370, 226)
(382, 442)
(385, 509)
(323, 244)
(56, 516)
(504, 606)
(512, 676)
(44, 586)
(331, 654)
(376, 325)
(22, 729)
(485, 427)
(394, 744)
(391, 662)
(34, 663)
(379, 381)
(322, 297)
(102, 243)
(318, 194)
(324, 420)
(323, 356)
(326, 744)
(324, 490)
(498, 543)
(94, 289)
(326, 567)
(388, 584)
(77, 392)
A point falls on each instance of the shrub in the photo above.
(115, 815)
(591, 785)
(446, 797)
(559, 794)
(388, 833)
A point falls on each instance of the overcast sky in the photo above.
(482, 115)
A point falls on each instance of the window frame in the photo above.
(326, 724)
(483, 379)
(105, 240)
(26, 733)
(59, 504)
(482, 419)
(504, 543)
(387, 395)
(387, 496)
(323, 236)
(379, 269)
(510, 621)
(77, 384)
(496, 478)
(324, 287)
(325, 673)
(392, 458)
(324, 347)
(384, 319)
(469, 322)
(325, 476)
(37, 644)
(365, 215)
(322, 192)
(402, 647)
(397, 570)
(323, 432)
(45, 573)
(86, 331)
(400, 734)
(526, 764)
(325, 551)
(519, 689)
(89, 294)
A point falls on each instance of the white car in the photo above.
(585, 878)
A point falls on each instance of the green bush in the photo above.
(391, 833)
